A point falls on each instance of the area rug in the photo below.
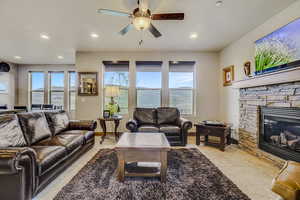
(190, 176)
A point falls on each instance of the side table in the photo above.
(116, 120)
(223, 132)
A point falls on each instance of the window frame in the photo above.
(47, 87)
(121, 87)
(193, 89)
(70, 91)
(31, 91)
(160, 66)
(50, 91)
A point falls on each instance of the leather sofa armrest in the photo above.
(132, 125)
(12, 156)
(89, 125)
(18, 169)
(185, 124)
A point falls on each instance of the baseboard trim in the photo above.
(233, 141)
(192, 134)
(101, 133)
(108, 133)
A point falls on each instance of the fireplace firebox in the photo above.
(280, 132)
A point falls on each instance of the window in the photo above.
(181, 85)
(4, 82)
(148, 83)
(116, 75)
(56, 92)
(37, 87)
(72, 90)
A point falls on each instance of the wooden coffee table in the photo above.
(143, 147)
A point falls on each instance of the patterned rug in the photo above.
(190, 176)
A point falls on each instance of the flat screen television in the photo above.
(278, 50)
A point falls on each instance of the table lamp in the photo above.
(112, 92)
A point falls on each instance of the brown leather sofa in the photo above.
(166, 120)
(287, 182)
(36, 147)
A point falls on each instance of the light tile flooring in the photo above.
(252, 175)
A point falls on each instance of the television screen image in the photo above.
(279, 48)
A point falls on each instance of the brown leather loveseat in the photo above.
(35, 147)
(166, 120)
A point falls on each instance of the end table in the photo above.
(223, 132)
(116, 120)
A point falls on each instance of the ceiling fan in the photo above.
(141, 18)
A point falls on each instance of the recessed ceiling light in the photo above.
(18, 57)
(60, 57)
(193, 35)
(45, 36)
(94, 35)
(175, 62)
(219, 3)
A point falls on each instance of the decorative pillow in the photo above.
(58, 121)
(34, 126)
(167, 115)
(145, 116)
(10, 132)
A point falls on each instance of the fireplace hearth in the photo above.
(279, 132)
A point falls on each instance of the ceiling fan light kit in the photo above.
(141, 19)
(141, 23)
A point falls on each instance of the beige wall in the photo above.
(207, 94)
(10, 79)
(243, 50)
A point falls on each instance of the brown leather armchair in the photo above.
(36, 147)
(287, 182)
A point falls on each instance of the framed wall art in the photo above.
(87, 83)
(228, 75)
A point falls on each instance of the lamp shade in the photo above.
(112, 91)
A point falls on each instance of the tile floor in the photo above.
(252, 175)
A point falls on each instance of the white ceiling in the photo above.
(70, 22)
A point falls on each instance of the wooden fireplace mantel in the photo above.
(284, 76)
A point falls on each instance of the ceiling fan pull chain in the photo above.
(141, 40)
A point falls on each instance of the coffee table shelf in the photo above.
(142, 147)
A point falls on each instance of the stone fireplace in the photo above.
(269, 121)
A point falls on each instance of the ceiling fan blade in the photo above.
(126, 29)
(168, 16)
(154, 31)
(113, 12)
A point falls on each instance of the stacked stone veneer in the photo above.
(281, 95)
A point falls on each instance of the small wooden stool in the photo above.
(223, 132)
